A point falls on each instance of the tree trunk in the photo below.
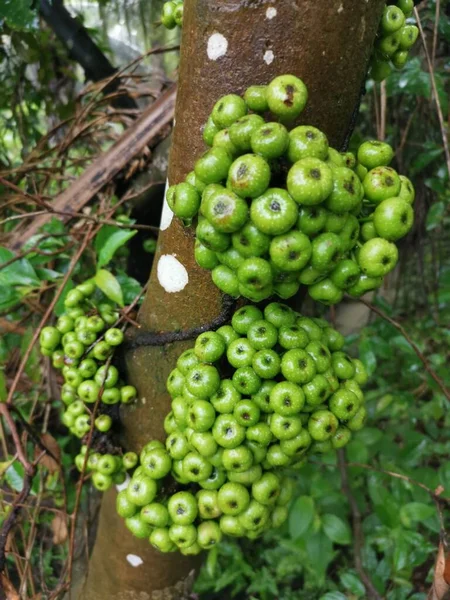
(82, 48)
(226, 46)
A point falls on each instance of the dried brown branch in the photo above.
(36, 199)
(107, 166)
(441, 580)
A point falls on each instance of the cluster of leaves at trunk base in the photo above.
(276, 209)
(248, 401)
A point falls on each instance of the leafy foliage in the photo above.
(18, 14)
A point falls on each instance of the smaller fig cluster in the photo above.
(395, 38)
(248, 401)
(172, 14)
(275, 209)
(81, 345)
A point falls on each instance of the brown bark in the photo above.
(325, 42)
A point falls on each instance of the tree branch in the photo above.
(358, 536)
(81, 47)
(413, 345)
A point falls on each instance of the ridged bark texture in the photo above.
(227, 45)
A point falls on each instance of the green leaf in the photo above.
(402, 552)
(301, 516)
(353, 584)
(54, 226)
(18, 273)
(367, 355)
(369, 435)
(109, 286)
(47, 274)
(8, 297)
(333, 596)
(336, 529)
(108, 242)
(357, 452)
(17, 13)
(14, 476)
(414, 512)
(400, 342)
(430, 153)
(320, 554)
(130, 287)
(388, 512)
(434, 215)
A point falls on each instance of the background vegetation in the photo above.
(369, 518)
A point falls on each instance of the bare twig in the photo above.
(436, 30)
(358, 536)
(413, 345)
(29, 471)
(8, 523)
(435, 494)
(36, 199)
(435, 92)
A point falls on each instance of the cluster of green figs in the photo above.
(275, 209)
(172, 14)
(395, 38)
(248, 401)
(81, 345)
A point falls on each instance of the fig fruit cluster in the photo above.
(81, 346)
(248, 401)
(395, 38)
(275, 209)
(172, 14)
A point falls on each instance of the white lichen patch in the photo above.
(271, 12)
(217, 46)
(341, 8)
(134, 560)
(269, 57)
(123, 486)
(172, 275)
(166, 214)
